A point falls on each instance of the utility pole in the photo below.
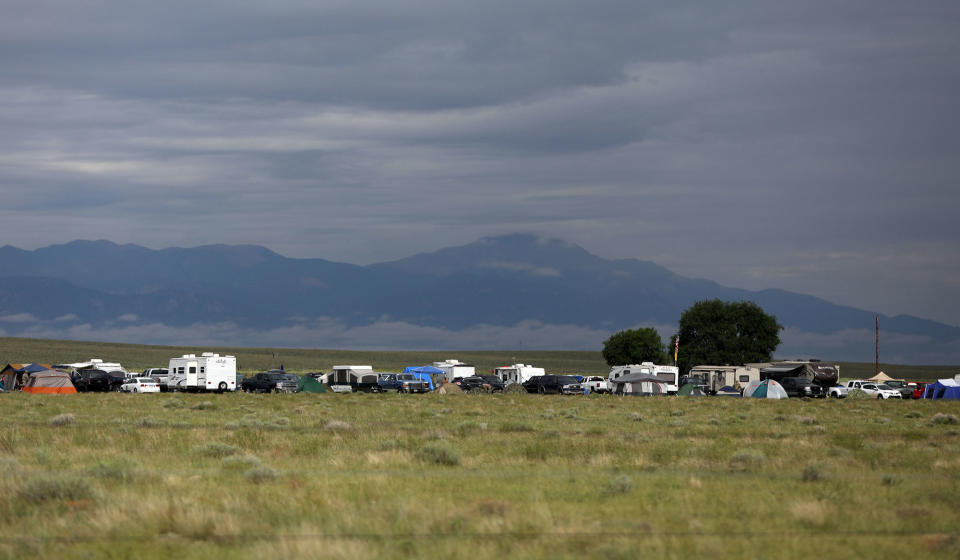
(877, 358)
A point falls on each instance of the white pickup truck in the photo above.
(595, 384)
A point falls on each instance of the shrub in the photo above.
(205, 405)
(148, 423)
(215, 449)
(439, 453)
(237, 462)
(943, 418)
(175, 402)
(117, 470)
(435, 434)
(812, 474)
(337, 426)
(515, 388)
(912, 414)
(570, 413)
(548, 414)
(62, 420)
(516, 427)
(621, 484)
(468, 428)
(676, 413)
(858, 395)
(51, 487)
(747, 460)
(636, 417)
(259, 475)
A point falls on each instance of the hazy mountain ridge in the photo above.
(502, 281)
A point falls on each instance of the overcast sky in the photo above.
(812, 146)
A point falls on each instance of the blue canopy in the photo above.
(424, 373)
(941, 390)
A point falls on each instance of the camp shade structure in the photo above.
(310, 384)
(942, 389)
(49, 382)
(765, 389)
(424, 373)
(880, 378)
(690, 390)
(638, 384)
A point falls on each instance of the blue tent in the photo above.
(424, 372)
(942, 389)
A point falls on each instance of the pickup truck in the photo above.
(401, 383)
(269, 382)
(596, 384)
(838, 392)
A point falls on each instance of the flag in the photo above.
(676, 348)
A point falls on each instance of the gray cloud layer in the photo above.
(809, 146)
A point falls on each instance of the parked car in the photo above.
(489, 383)
(838, 392)
(140, 385)
(906, 392)
(880, 390)
(97, 380)
(560, 384)
(269, 382)
(596, 384)
(401, 383)
(802, 387)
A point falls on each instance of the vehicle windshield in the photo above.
(885, 386)
(276, 377)
(406, 377)
(896, 384)
(490, 378)
(566, 379)
(146, 380)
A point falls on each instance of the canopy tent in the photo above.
(942, 389)
(880, 378)
(309, 384)
(424, 373)
(690, 390)
(765, 389)
(49, 382)
(638, 384)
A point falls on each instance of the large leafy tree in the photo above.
(634, 346)
(721, 332)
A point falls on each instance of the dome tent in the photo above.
(765, 389)
(690, 390)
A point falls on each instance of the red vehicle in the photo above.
(918, 388)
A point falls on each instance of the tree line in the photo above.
(711, 332)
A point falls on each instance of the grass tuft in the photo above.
(239, 462)
(516, 427)
(55, 486)
(439, 453)
(205, 405)
(337, 426)
(747, 460)
(943, 418)
(216, 449)
(259, 475)
(621, 484)
(62, 420)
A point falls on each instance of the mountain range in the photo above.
(501, 292)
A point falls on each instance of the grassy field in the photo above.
(475, 476)
(136, 357)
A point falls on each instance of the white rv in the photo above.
(715, 377)
(669, 376)
(95, 363)
(517, 373)
(208, 372)
(455, 369)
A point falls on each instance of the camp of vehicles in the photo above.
(218, 373)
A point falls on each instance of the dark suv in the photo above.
(560, 384)
(802, 387)
(89, 380)
(487, 383)
(270, 382)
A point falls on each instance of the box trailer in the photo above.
(716, 377)
(517, 373)
(207, 372)
(455, 369)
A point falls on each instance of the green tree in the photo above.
(718, 332)
(634, 346)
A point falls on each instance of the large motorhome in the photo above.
(517, 373)
(824, 374)
(455, 369)
(716, 377)
(667, 375)
(207, 372)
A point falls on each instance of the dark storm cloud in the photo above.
(808, 146)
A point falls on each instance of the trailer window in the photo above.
(180, 369)
(193, 369)
(202, 369)
(744, 379)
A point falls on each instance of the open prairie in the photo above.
(475, 476)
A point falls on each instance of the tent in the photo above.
(16, 374)
(690, 390)
(942, 389)
(880, 378)
(638, 384)
(310, 384)
(424, 373)
(49, 382)
(728, 391)
(765, 389)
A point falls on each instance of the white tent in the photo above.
(765, 389)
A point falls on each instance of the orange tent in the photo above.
(49, 382)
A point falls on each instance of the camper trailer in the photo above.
(207, 372)
(94, 363)
(715, 377)
(517, 373)
(455, 369)
(819, 373)
(669, 376)
(347, 379)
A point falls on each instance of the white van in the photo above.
(208, 372)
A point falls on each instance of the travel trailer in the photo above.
(347, 379)
(455, 369)
(669, 376)
(517, 373)
(207, 372)
(713, 378)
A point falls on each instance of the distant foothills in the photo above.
(515, 291)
